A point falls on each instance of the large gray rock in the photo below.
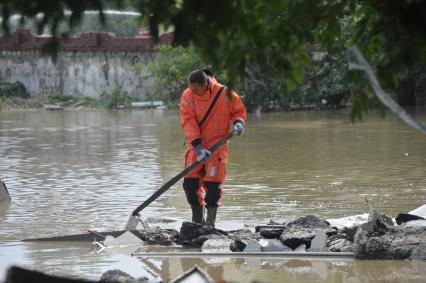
(378, 239)
(294, 237)
(309, 221)
(242, 238)
(190, 231)
(303, 230)
(118, 276)
(158, 236)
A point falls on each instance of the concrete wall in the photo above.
(75, 73)
(90, 65)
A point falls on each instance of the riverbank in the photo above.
(37, 103)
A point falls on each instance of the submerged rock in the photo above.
(158, 236)
(252, 246)
(118, 276)
(419, 253)
(379, 239)
(275, 245)
(217, 245)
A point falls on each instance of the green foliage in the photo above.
(57, 97)
(21, 103)
(171, 68)
(16, 89)
(261, 90)
(117, 98)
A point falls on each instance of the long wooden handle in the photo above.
(175, 179)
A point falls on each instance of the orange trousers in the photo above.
(202, 185)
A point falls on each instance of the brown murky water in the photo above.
(69, 171)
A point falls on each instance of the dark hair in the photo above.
(208, 72)
(197, 77)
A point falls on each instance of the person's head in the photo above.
(198, 82)
(208, 72)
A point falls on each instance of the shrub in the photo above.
(16, 89)
(117, 97)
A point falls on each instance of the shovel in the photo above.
(136, 217)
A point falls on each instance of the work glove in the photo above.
(239, 127)
(202, 154)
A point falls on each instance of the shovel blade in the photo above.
(132, 223)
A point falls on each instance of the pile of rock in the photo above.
(378, 238)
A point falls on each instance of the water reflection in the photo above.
(290, 270)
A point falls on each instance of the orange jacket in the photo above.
(218, 124)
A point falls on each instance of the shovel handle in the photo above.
(179, 176)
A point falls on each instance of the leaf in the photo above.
(291, 84)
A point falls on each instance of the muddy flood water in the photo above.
(70, 171)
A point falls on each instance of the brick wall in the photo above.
(24, 40)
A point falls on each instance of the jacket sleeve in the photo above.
(188, 119)
(238, 111)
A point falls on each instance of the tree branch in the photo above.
(363, 65)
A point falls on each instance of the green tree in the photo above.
(170, 69)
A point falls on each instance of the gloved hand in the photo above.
(202, 153)
(239, 127)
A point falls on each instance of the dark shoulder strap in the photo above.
(211, 106)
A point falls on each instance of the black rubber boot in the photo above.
(211, 216)
(197, 214)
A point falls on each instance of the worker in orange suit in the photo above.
(203, 129)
